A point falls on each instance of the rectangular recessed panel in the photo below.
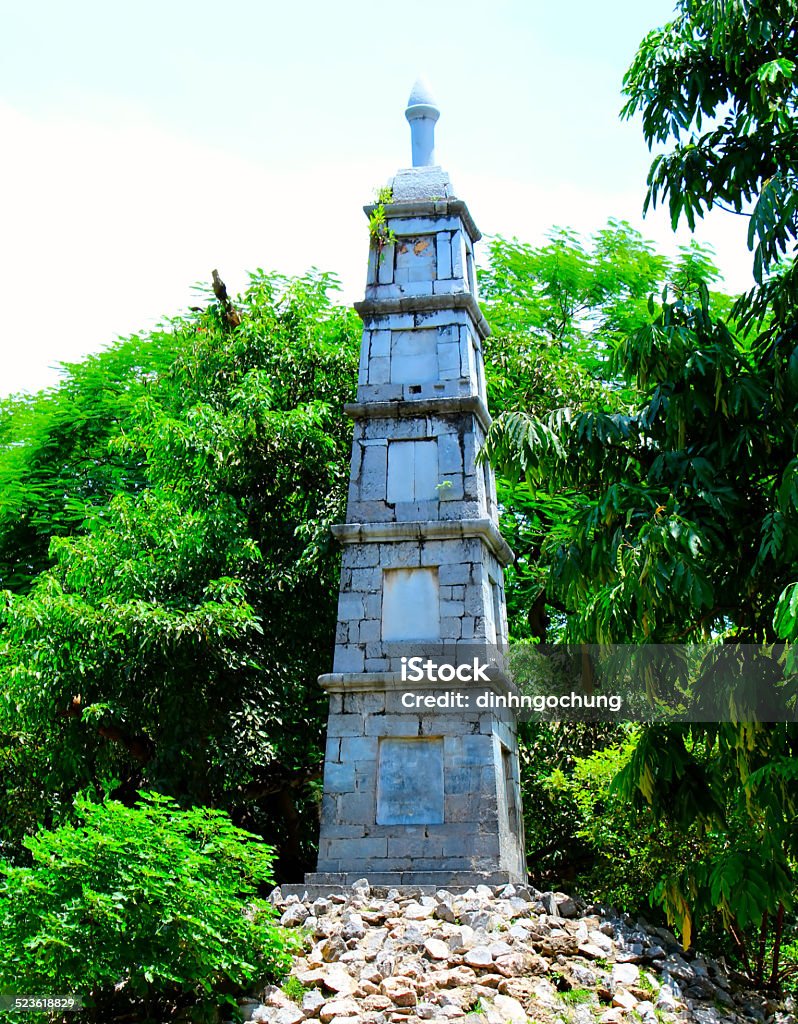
(414, 356)
(412, 470)
(410, 782)
(401, 476)
(410, 605)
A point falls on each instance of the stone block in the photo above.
(458, 255)
(450, 628)
(358, 556)
(443, 244)
(355, 749)
(365, 776)
(348, 658)
(395, 556)
(405, 227)
(456, 572)
(369, 631)
(462, 808)
(339, 778)
(453, 491)
(452, 287)
(415, 511)
(358, 848)
(449, 357)
(350, 606)
(373, 470)
(402, 846)
(380, 344)
(386, 265)
(417, 287)
(371, 270)
(339, 725)
(364, 703)
(406, 725)
(368, 580)
(379, 370)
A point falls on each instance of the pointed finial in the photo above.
(422, 113)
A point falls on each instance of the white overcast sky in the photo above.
(145, 144)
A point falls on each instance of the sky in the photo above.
(143, 145)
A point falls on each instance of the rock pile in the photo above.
(494, 956)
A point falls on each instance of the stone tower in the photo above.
(426, 794)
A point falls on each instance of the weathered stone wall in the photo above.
(479, 829)
(467, 582)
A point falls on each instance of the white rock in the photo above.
(288, 1015)
(478, 956)
(353, 927)
(510, 1009)
(624, 999)
(346, 1007)
(437, 949)
(598, 938)
(312, 1002)
(625, 974)
(417, 912)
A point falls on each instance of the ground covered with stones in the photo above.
(494, 956)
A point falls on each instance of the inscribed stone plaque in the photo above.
(410, 782)
(412, 470)
(410, 604)
(414, 356)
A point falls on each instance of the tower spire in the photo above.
(422, 113)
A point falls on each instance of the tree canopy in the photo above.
(171, 584)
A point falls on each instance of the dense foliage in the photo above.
(146, 905)
(680, 487)
(164, 627)
(169, 584)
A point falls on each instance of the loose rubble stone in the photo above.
(625, 974)
(288, 1015)
(400, 991)
(510, 1009)
(511, 952)
(624, 999)
(478, 956)
(295, 916)
(312, 1002)
(437, 949)
(346, 1007)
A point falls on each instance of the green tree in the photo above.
(683, 503)
(175, 639)
(149, 909)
